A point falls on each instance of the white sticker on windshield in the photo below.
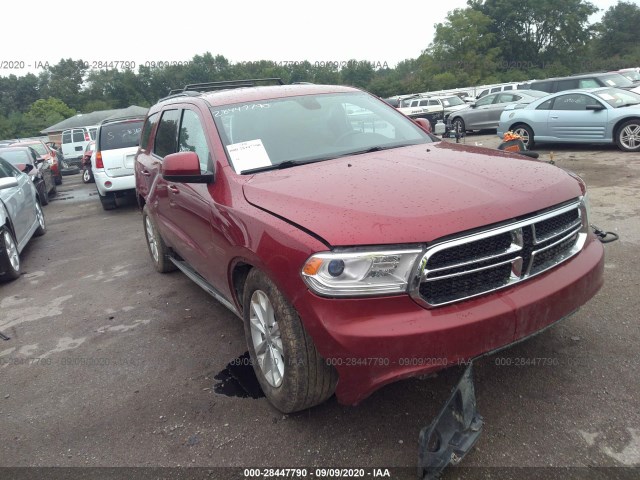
(610, 82)
(248, 155)
(606, 96)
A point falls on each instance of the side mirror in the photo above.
(473, 105)
(8, 182)
(595, 108)
(40, 159)
(184, 167)
(423, 123)
(25, 167)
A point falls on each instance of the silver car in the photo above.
(21, 218)
(485, 113)
(596, 115)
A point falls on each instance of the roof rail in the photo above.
(194, 89)
(119, 119)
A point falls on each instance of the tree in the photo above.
(43, 114)
(64, 81)
(464, 49)
(617, 33)
(538, 31)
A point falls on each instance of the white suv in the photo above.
(112, 162)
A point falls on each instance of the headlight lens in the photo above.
(360, 273)
(586, 207)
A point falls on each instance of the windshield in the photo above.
(616, 80)
(16, 157)
(631, 75)
(618, 98)
(38, 147)
(452, 101)
(267, 133)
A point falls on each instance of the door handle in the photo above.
(173, 189)
(145, 173)
(555, 118)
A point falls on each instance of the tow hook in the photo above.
(604, 237)
(453, 433)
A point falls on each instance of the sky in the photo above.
(244, 30)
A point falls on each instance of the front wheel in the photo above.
(108, 201)
(9, 256)
(526, 133)
(43, 194)
(628, 136)
(291, 372)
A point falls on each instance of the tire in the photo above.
(160, 254)
(54, 189)
(9, 256)
(87, 175)
(58, 179)
(43, 194)
(108, 201)
(526, 133)
(305, 378)
(458, 125)
(628, 136)
(42, 227)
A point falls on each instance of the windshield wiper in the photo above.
(279, 166)
(377, 148)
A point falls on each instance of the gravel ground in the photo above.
(112, 364)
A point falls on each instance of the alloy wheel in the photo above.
(266, 338)
(12, 251)
(630, 136)
(151, 239)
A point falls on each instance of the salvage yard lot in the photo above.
(113, 364)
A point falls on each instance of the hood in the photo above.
(409, 195)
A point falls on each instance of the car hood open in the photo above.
(411, 194)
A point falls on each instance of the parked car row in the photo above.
(21, 216)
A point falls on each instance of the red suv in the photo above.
(356, 247)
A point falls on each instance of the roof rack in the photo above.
(194, 89)
(120, 119)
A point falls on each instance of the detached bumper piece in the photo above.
(453, 433)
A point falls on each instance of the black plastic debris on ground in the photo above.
(238, 379)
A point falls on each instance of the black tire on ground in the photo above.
(161, 257)
(307, 379)
(54, 189)
(58, 179)
(628, 136)
(42, 227)
(87, 175)
(458, 125)
(43, 194)
(72, 170)
(526, 132)
(8, 244)
(108, 201)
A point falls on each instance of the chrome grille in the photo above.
(498, 257)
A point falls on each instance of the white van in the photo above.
(74, 141)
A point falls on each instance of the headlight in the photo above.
(586, 207)
(360, 273)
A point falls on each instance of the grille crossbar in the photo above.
(476, 264)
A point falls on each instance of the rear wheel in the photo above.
(43, 194)
(54, 189)
(526, 133)
(458, 125)
(9, 256)
(159, 252)
(628, 136)
(58, 179)
(87, 175)
(291, 372)
(42, 226)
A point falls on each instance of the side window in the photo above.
(485, 100)
(5, 171)
(567, 84)
(166, 141)
(573, 101)
(542, 86)
(78, 136)
(545, 105)
(424, 103)
(193, 139)
(66, 136)
(495, 89)
(146, 130)
(507, 97)
(433, 102)
(508, 87)
(483, 93)
(588, 83)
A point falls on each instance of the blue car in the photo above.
(596, 115)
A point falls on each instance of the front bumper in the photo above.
(376, 341)
(117, 184)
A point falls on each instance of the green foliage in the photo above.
(617, 33)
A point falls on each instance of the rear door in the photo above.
(569, 118)
(492, 114)
(118, 143)
(475, 118)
